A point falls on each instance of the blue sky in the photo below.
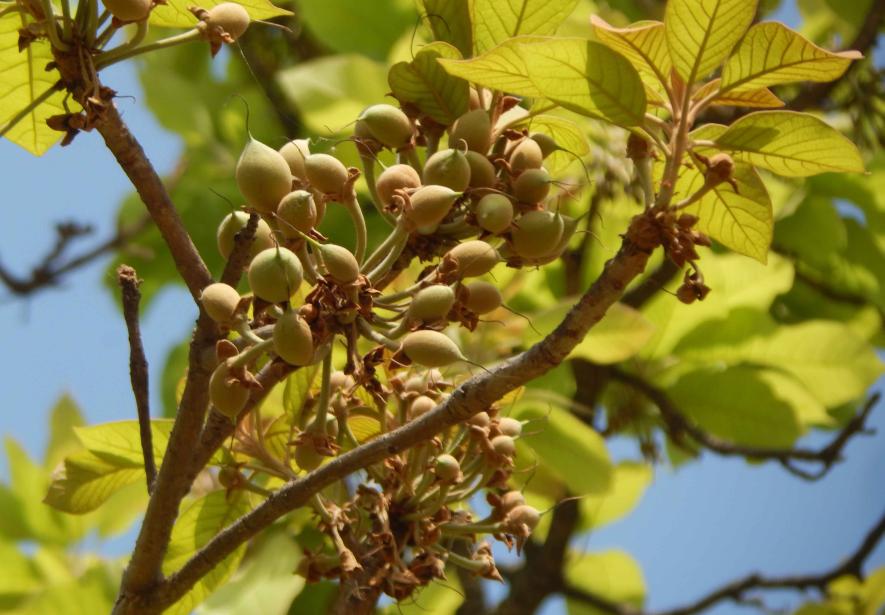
(696, 528)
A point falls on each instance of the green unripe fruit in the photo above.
(421, 405)
(307, 458)
(482, 171)
(387, 125)
(275, 274)
(532, 185)
(526, 155)
(504, 445)
(483, 297)
(292, 339)
(447, 468)
(396, 177)
(341, 264)
(570, 225)
(511, 500)
(230, 17)
(232, 224)
(263, 176)
(431, 348)
(325, 173)
(474, 258)
(431, 204)
(128, 10)
(220, 302)
(537, 233)
(449, 168)
(494, 213)
(545, 142)
(480, 419)
(421, 384)
(432, 303)
(298, 211)
(475, 129)
(510, 427)
(228, 399)
(296, 152)
(524, 515)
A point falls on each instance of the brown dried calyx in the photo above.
(693, 287)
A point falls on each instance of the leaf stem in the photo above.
(124, 52)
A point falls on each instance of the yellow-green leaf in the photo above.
(612, 575)
(426, 84)
(621, 334)
(790, 144)
(645, 45)
(570, 137)
(629, 481)
(587, 78)
(24, 82)
(772, 54)
(502, 68)
(200, 522)
(495, 21)
(175, 13)
(701, 33)
(762, 98)
(121, 440)
(62, 439)
(87, 481)
(450, 22)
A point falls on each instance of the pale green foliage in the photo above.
(424, 83)
(613, 575)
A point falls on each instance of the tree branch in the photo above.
(677, 426)
(138, 368)
(737, 590)
(473, 396)
(48, 271)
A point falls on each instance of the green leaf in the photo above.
(425, 83)
(612, 575)
(65, 416)
(827, 357)
(587, 78)
(357, 26)
(331, 91)
(702, 33)
(121, 440)
(19, 577)
(736, 405)
(644, 44)
(773, 54)
(629, 482)
(25, 79)
(175, 13)
(437, 598)
(568, 136)
(495, 21)
(450, 22)
(573, 451)
(199, 523)
(265, 583)
(502, 68)
(91, 592)
(761, 98)
(790, 144)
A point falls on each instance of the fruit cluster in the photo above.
(483, 200)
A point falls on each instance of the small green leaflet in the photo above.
(790, 144)
(175, 13)
(762, 98)
(425, 83)
(772, 54)
(702, 33)
(495, 21)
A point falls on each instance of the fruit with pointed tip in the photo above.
(510, 427)
(432, 303)
(526, 154)
(232, 224)
(421, 405)
(449, 168)
(296, 152)
(396, 177)
(524, 514)
(341, 264)
(431, 348)
(229, 397)
(325, 173)
(482, 297)
(474, 128)
(230, 17)
(537, 233)
(532, 185)
(511, 500)
(263, 176)
(387, 125)
(482, 171)
(447, 468)
(545, 142)
(220, 301)
(504, 445)
(292, 339)
(128, 10)
(275, 275)
(494, 213)
(430, 205)
(297, 212)
(474, 258)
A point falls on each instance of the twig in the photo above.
(677, 425)
(737, 590)
(138, 367)
(48, 272)
(475, 395)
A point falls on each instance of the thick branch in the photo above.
(475, 395)
(138, 367)
(49, 271)
(678, 426)
(737, 590)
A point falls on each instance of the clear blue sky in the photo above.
(696, 528)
